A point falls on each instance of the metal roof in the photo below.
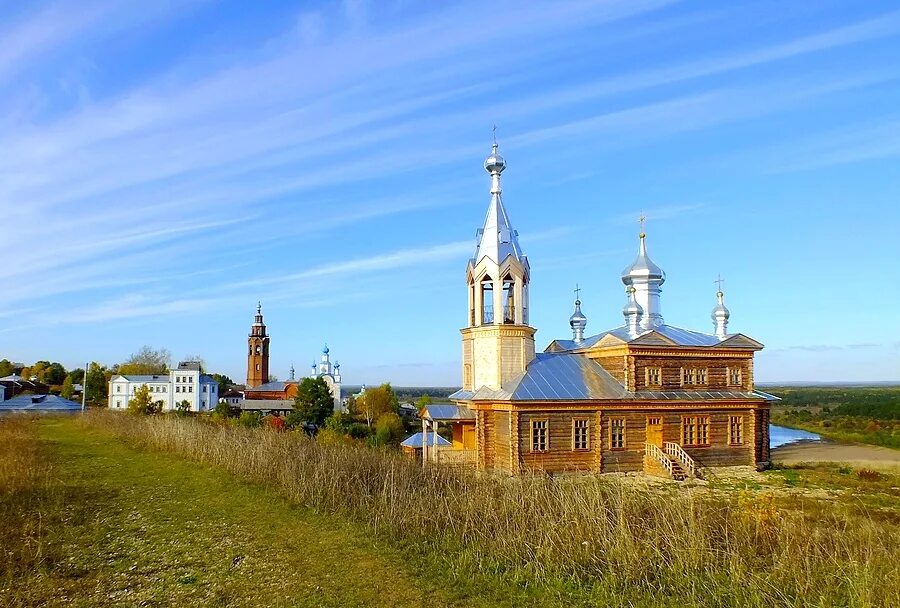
(154, 378)
(268, 386)
(441, 411)
(575, 377)
(39, 403)
(554, 377)
(415, 441)
(678, 335)
(695, 395)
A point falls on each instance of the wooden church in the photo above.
(644, 396)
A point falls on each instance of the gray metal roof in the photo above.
(268, 386)
(442, 411)
(44, 403)
(575, 377)
(155, 378)
(415, 441)
(678, 335)
(554, 377)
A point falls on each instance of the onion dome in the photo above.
(643, 268)
(720, 316)
(633, 313)
(494, 163)
(578, 322)
(325, 350)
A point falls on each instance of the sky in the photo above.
(163, 170)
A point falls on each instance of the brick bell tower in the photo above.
(257, 352)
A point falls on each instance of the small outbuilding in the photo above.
(412, 446)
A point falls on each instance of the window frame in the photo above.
(657, 371)
(739, 420)
(546, 434)
(587, 433)
(695, 427)
(740, 376)
(612, 435)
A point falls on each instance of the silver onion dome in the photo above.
(643, 267)
(633, 313)
(494, 163)
(578, 322)
(720, 315)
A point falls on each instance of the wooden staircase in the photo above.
(671, 460)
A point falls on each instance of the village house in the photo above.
(644, 396)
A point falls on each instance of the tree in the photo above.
(54, 373)
(314, 402)
(68, 388)
(39, 370)
(96, 385)
(77, 376)
(142, 403)
(182, 407)
(6, 368)
(224, 382)
(388, 429)
(147, 361)
(377, 401)
(223, 410)
(25, 373)
(424, 401)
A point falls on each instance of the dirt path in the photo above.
(857, 455)
(150, 529)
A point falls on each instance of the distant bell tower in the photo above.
(257, 352)
(497, 343)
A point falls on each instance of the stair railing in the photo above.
(653, 451)
(688, 464)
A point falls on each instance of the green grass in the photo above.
(863, 415)
(121, 510)
(121, 526)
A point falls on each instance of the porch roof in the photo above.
(447, 411)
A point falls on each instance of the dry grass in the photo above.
(590, 533)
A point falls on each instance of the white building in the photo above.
(186, 383)
(331, 374)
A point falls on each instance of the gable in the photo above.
(653, 338)
(740, 341)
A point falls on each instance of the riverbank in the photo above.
(856, 455)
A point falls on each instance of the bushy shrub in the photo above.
(274, 422)
(388, 429)
(250, 419)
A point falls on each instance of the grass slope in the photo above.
(111, 525)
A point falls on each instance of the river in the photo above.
(781, 435)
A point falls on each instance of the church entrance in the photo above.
(654, 430)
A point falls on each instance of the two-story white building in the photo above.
(185, 383)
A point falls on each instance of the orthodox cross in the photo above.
(577, 292)
(494, 130)
(642, 219)
(719, 280)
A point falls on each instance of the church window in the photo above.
(257, 349)
(695, 430)
(487, 300)
(118, 388)
(736, 430)
(617, 434)
(177, 389)
(190, 389)
(467, 375)
(539, 435)
(580, 434)
(653, 376)
(118, 403)
(257, 367)
(734, 376)
(204, 388)
(509, 303)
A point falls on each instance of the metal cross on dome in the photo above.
(494, 131)
(577, 292)
(642, 219)
(719, 280)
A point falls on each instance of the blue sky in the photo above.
(161, 171)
